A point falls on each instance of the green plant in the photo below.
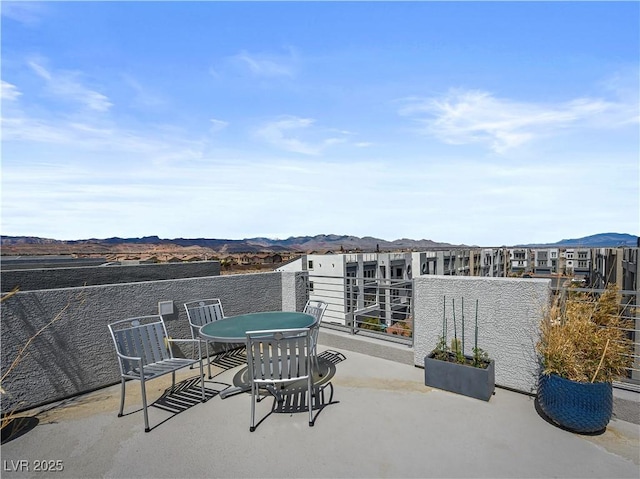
(480, 357)
(456, 349)
(372, 324)
(582, 337)
(455, 352)
(441, 350)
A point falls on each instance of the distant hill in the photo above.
(302, 244)
(27, 245)
(602, 240)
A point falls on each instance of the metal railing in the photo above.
(369, 306)
(629, 310)
(383, 308)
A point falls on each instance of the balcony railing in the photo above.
(382, 308)
(369, 306)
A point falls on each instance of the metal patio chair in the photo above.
(276, 358)
(144, 352)
(199, 313)
(316, 309)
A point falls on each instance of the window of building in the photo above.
(310, 285)
(310, 264)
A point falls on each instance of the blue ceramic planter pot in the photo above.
(578, 407)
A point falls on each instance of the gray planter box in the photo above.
(463, 379)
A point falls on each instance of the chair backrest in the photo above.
(142, 337)
(203, 311)
(279, 355)
(315, 309)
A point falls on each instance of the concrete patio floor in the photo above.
(385, 423)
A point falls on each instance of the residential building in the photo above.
(546, 260)
(615, 265)
(379, 284)
(493, 262)
(357, 283)
(578, 261)
(520, 259)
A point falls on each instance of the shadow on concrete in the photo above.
(184, 395)
(292, 398)
(15, 427)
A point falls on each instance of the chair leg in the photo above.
(317, 363)
(193, 348)
(310, 399)
(121, 398)
(202, 381)
(253, 408)
(173, 380)
(144, 405)
(208, 361)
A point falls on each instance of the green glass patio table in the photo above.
(233, 329)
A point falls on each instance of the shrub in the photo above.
(583, 339)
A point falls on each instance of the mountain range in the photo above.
(302, 244)
(601, 240)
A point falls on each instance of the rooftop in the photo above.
(384, 422)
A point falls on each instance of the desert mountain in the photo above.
(295, 244)
(301, 244)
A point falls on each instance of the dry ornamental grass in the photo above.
(583, 337)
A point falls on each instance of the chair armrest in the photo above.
(131, 358)
(171, 340)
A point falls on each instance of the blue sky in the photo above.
(483, 123)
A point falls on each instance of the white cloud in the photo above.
(275, 131)
(27, 13)
(217, 125)
(473, 116)
(9, 91)
(158, 145)
(143, 97)
(67, 86)
(40, 70)
(266, 65)
(280, 133)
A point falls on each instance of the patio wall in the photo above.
(72, 277)
(76, 353)
(509, 314)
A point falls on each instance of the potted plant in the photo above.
(449, 368)
(583, 348)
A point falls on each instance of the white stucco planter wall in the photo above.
(509, 314)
